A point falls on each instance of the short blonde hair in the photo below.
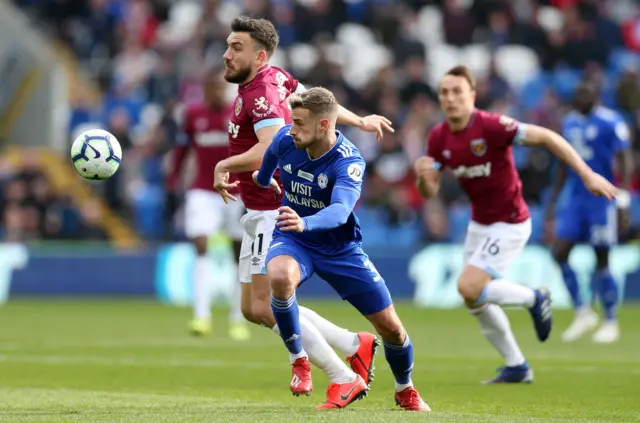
(318, 100)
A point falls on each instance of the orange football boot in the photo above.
(410, 400)
(362, 361)
(301, 377)
(339, 395)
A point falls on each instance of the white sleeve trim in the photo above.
(521, 133)
(268, 122)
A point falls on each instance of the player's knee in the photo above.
(389, 326)
(560, 252)
(283, 276)
(470, 290)
(200, 244)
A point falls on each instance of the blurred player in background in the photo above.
(317, 232)
(600, 136)
(205, 131)
(476, 146)
(259, 111)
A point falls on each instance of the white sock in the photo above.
(341, 339)
(503, 292)
(402, 386)
(322, 355)
(202, 275)
(235, 302)
(496, 328)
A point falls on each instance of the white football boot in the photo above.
(608, 333)
(584, 321)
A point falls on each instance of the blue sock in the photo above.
(400, 359)
(288, 320)
(571, 282)
(607, 291)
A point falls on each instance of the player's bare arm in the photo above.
(428, 177)
(371, 123)
(244, 162)
(533, 135)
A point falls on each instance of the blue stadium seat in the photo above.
(621, 59)
(532, 92)
(565, 82)
(459, 217)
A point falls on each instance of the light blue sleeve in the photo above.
(345, 195)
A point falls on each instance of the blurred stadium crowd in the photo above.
(378, 56)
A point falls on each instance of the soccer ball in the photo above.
(96, 154)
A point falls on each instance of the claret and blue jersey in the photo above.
(323, 191)
(598, 138)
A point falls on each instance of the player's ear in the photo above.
(324, 124)
(262, 55)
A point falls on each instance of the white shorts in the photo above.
(206, 213)
(258, 231)
(495, 247)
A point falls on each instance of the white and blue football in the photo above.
(96, 154)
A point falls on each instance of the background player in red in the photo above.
(205, 132)
(259, 111)
(476, 146)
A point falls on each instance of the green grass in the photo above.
(132, 361)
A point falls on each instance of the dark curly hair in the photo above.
(261, 32)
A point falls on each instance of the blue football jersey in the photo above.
(308, 185)
(597, 137)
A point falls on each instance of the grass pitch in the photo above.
(132, 361)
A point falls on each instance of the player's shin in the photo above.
(343, 340)
(400, 359)
(496, 328)
(607, 292)
(571, 282)
(287, 318)
(322, 355)
(202, 275)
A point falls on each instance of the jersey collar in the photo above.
(260, 71)
(339, 139)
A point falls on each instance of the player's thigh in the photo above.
(476, 235)
(500, 246)
(569, 225)
(603, 225)
(354, 277)
(203, 213)
(286, 259)
(259, 225)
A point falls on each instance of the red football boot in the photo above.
(301, 377)
(362, 361)
(339, 395)
(410, 400)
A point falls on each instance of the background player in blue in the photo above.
(600, 135)
(317, 232)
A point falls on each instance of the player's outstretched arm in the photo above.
(533, 135)
(371, 123)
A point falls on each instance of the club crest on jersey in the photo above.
(238, 107)
(323, 180)
(305, 175)
(478, 147)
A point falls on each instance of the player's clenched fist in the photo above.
(425, 167)
(288, 220)
(599, 186)
(273, 184)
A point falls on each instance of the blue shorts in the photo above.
(595, 222)
(350, 274)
